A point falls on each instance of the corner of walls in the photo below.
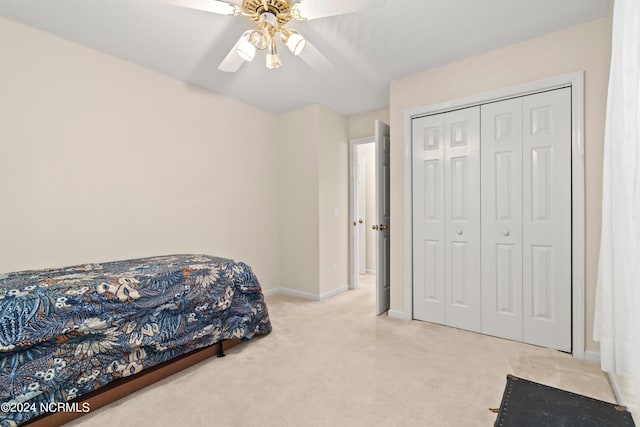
(313, 205)
(298, 205)
(363, 125)
(627, 393)
(333, 180)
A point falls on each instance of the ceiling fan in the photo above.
(270, 17)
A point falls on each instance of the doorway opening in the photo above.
(369, 238)
(364, 214)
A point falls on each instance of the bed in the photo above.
(68, 334)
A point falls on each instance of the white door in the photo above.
(501, 160)
(547, 219)
(462, 218)
(446, 212)
(383, 143)
(360, 214)
(428, 218)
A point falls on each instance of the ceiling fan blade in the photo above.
(315, 59)
(215, 6)
(314, 9)
(232, 62)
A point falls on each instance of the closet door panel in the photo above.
(501, 158)
(462, 218)
(547, 219)
(428, 219)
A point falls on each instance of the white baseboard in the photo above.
(298, 294)
(397, 314)
(625, 391)
(270, 292)
(592, 356)
(305, 295)
(617, 390)
(333, 293)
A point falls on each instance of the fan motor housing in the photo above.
(281, 9)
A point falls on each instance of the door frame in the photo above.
(353, 176)
(576, 82)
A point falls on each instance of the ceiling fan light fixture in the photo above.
(273, 58)
(270, 18)
(294, 41)
(273, 61)
(245, 49)
(259, 38)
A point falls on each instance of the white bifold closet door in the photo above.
(492, 218)
(446, 210)
(546, 237)
(526, 219)
(501, 157)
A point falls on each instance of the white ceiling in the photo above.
(367, 49)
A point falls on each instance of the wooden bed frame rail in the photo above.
(125, 386)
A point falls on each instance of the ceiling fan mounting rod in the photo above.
(268, 18)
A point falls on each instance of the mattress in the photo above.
(67, 332)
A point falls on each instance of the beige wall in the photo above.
(333, 181)
(584, 47)
(298, 199)
(363, 125)
(102, 160)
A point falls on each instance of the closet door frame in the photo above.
(576, 82)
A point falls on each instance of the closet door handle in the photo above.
(506, 233)
(459, 232)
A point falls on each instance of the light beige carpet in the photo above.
(335, 363)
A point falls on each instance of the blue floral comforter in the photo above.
(66, 332)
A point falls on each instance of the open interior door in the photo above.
(383, 290)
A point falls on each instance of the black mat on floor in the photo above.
(525, 403)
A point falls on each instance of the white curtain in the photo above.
(617, 315)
